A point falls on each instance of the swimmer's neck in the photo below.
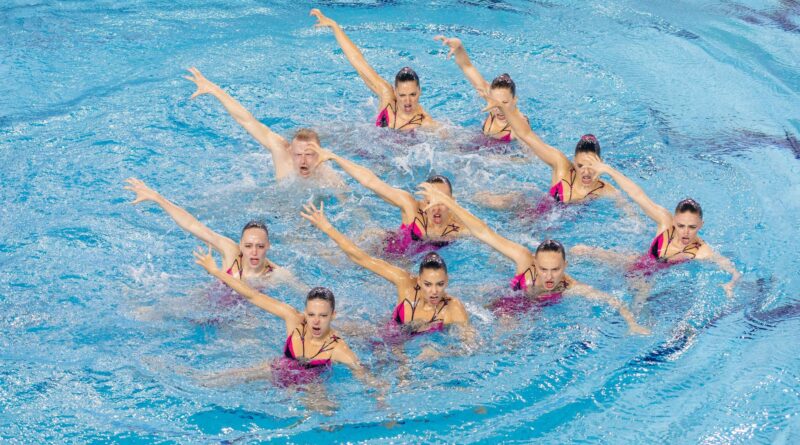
(263, 271)
(586, 188)
(313, 341)
(443, 225)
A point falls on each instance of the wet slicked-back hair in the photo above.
(406, 74)
(432, 261)
(440, 179)
(504, 81)
(322, 293)
(551, 246)
(256, 224)
(306, 135)
(691, 206)
(588, 144)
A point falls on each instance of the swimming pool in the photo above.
(106, 320)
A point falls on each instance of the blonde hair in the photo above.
(306, 135)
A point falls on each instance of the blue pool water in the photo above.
(106, 322)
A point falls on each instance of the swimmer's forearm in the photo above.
(637, 194)
(359, 62)
(727, 265)
(594, 294)
(353, 252)
(363, 175)
(182, 218)
(522, 129)
(237, 111)
(255, 297)
(370, 180)
(475, 225)
(470, 72)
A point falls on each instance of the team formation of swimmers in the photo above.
(432, 219)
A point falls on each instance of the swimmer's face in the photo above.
(439, 213)
(502, 95)
(687, 224)
(319, 315)
(407, 94)
(550, 269)
(254, 245)
(304, 158)
(432, 283)
(585, 174)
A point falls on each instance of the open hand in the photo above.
(322, 21)
(324, 154)
(454, 44)
(431, 195)
(205, 259)
(494, 104)
(143, 192)
(593, 162)
(316, 215)
(204, 86)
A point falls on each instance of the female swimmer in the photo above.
(542, 274)
(433, 225)
(423, 304)
(571, 181)
(246, 259)
(676, 237)
(311, 343)
(502, 89)
(399, 107)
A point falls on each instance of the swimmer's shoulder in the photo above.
(705, 251)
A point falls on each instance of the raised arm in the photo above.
(517, 253)
(659, 214)
(380, 267)
(584, 290)
(462, 60)
(551, 156)
(374, 82)
(289, 314)
(366, 177)
(272, 141)
(226, 246)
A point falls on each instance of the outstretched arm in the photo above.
(727, 265)
(343, 354)
(522, 129)
(272, 141)
(366, 177)
(374, 82)
(289, 314)
(462, 60)
(584, 290)
(659, 214)
(226, 246)
(519, 254)
(380, 267)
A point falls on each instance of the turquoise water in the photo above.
(106, 322)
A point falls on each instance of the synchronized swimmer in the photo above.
(246, 259)
(419, 221)
(502, 89)
(291, 160)
(423, 304)
(398, 107)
